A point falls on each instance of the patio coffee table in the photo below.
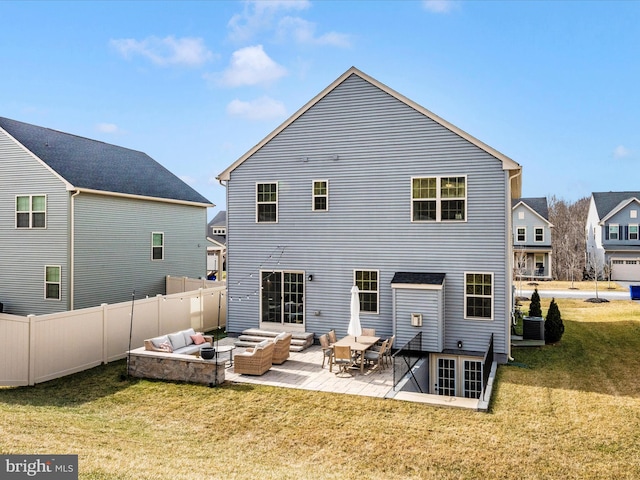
(225, 349)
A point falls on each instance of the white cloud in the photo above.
(258, 15)
(263, 108)
(440, 6)
(621, 152)
(166, 51)
(303, 31)
(107, 128)
(251, 66)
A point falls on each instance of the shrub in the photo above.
(534, 307)
(553, 326)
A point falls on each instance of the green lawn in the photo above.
(570, 410)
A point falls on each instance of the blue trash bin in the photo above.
(634, 290)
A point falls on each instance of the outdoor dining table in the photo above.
(358, 344)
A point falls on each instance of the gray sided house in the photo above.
(532, 239)
(364, 186)
(612, 235)
(84, 222)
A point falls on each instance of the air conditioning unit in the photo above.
(533, 328)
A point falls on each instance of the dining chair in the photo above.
(388, 352)
(342, 358)
(332, 337)
(327, 350)
(376, 356)
(368, 332)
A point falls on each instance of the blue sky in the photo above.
(551, 84)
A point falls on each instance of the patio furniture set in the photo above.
(355, 352)
(259, 359)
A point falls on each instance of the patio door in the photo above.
(282, 300)
(445, 376)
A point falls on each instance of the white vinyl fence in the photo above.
(36, 349)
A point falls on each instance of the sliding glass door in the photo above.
(282, 299)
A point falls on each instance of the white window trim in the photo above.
(313, 195)
(377, 292)
(464, 282)
(637, 232)
(161, 246)
(30, 212)
(266, 203)
(520, 215)
(524, 240)
(617, 231)
(48, 283)
(535, 234)
(438, 199)
(633, 214)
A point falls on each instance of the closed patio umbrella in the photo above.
(355, 328)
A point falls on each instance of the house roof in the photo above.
(99, 167)
(219, 219)
(507, 163)
(417, 278)
(537, 204)
(608, 203)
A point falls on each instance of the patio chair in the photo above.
(332, 337)
(254, 361)
(342, 358)
(327, 350)
(388, 352)
(376, 356)
(281, 348)
(368, 332)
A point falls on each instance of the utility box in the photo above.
(634, 290)
(533, 328)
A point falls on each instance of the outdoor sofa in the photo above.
(185, 342)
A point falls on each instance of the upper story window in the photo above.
(633, 214)
(52, 282)
(157, 246)
(31, 211)
(267, 202)
(438, 199)
(320, 195)
(614, 232)
(367, 283)
(521, 234)
(478, 296)
(633, 232)
(219, 231)
(539, 234)
(520, 215)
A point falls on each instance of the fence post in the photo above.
(31, 380)
(160, 301)
(201, 297)
(105, 333)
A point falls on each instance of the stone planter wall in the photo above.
(176, 367)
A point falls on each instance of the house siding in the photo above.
(429, 304)
(113, 247)
(380, 144)
(25, 252)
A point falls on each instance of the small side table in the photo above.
(225, 349)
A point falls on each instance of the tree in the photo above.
(596, 267)
(568, 237)
(553, 326)
(520, 266)
(534, 306)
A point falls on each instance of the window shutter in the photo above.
(606, 232)
(626, 232)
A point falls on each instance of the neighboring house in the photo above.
(84, 222)
(217, 248)
(363, 186)
(612, 235)
(532, 239)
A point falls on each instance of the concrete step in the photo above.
(253, 336)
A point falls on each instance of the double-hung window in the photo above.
(633, 232)
(157, 246)
(614, 231)
(367, 282)
(521, 234)
(438, 199)
(478, 295)
(320, 196)
(31, 211)
(267, 202)
(52, 282)
(539, 234)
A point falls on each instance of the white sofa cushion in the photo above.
(263, 344)
(177, 340)
(280, 336)
(159, 340)
(187, 335)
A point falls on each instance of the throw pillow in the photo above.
(198, 339)
(166, 347)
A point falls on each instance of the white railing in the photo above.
(36, 349)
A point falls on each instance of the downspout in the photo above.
(511, 313)
(72, 255)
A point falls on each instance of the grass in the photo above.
(603, 285)
(570, 410)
